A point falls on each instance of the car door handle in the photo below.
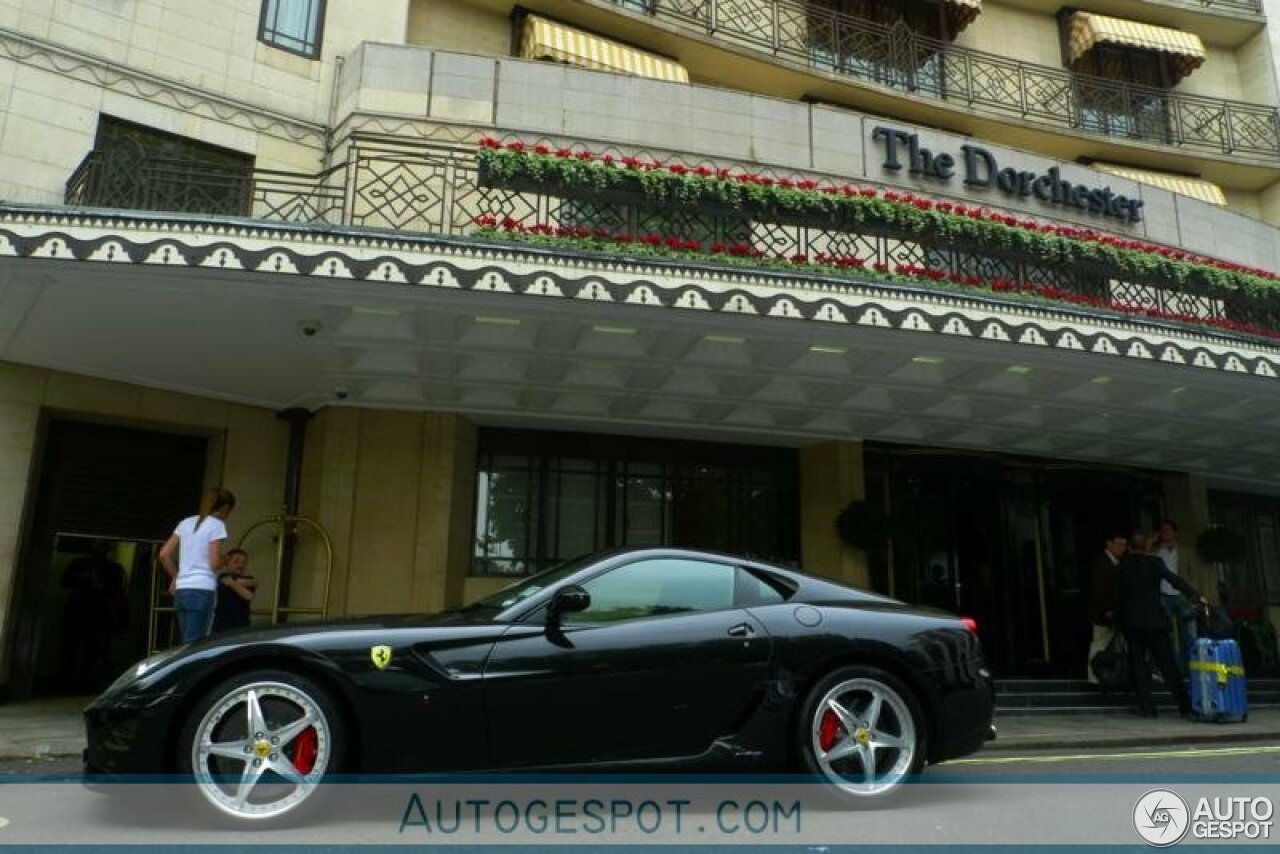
(742, 630)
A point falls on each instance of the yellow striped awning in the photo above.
(1086, 30)
(543, 39)
(1196, 188)
(961, 12)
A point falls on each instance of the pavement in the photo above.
(38, 729)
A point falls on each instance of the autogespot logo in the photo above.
(1161, 818)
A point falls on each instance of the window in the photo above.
(891, 42)
(1139, 110)
(542, 498)
(139, 168)
(293, 25)
(651, 588)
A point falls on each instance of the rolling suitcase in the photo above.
(1217, 682)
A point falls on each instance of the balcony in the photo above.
(894, 57)
(437, 188)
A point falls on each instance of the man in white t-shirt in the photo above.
(1175, 604)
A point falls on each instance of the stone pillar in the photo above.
(831, 475)
(395, 491)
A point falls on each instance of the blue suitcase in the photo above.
(1217, 682)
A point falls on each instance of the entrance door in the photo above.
(106, 496)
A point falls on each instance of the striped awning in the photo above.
(1196, 188)
(1086, 30)
(961, 12)
(543, 39)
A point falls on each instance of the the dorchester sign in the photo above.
(980, 170)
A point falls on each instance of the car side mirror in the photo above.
(568, 600)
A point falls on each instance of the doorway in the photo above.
(1006, 541)
(106, 498)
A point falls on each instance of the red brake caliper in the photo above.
(829, 730)
(305, 747)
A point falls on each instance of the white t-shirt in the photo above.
(1170, 558)
(194, 572)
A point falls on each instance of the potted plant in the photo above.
(1220, 545)
(863, 525)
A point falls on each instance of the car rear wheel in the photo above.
(259, 744)
(862, 732)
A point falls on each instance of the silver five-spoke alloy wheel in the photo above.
(863, 737)
(261, 749)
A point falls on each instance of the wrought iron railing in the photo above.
(1249, 7)
(435, 188)
(897, 57)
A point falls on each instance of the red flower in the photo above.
(542, 149)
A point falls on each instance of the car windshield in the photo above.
(531, 586)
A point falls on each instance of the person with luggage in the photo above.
(1102, 605)
(1144, 623)
(1178, 608)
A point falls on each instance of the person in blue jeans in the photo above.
(197, 540)
(1175, 605)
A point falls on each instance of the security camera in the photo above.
(309, 328)
(342, 392)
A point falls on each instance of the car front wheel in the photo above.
(862, 732)
(259, 744)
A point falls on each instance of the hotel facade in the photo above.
(446, 291)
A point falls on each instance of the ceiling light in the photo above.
(498, 321)
(725, 339)
(928, 360)
(613, 330)
(1177, 389)
(1019, 369)
(828, 348)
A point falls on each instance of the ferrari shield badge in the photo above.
(381, 656)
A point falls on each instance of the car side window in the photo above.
(650, 588)
(756, 590)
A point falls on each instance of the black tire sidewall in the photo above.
(809, 763)
(324, 702)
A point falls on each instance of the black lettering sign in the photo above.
(981, 171)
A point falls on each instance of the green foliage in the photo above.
(1220, 544)
(836, 210)
(863, 525)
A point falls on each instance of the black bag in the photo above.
(1111, 665)
(1213, 622)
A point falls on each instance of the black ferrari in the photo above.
(633, 660)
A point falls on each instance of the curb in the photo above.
(1011, 745)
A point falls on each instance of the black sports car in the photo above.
(628, 660)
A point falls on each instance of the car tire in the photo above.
(858, 716)
(264, 768)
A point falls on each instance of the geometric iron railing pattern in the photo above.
(897, 57)
(434, 188)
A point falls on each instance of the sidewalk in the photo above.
(49, 728)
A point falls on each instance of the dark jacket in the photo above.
(1138, 604)
(1102, 590)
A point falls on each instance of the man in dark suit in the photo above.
(1141, 617)
(1102, 596)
